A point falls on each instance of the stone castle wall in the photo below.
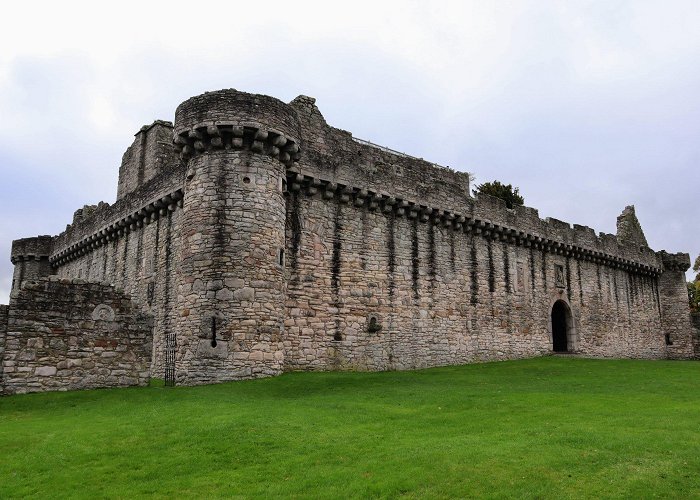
(274, 241)
(64, 334)
(142, 262)
(442, 296)
(135, 242)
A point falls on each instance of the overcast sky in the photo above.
(585, 106)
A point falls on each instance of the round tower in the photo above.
(230, 281)
(30, 257)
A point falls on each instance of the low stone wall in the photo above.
(73, 334)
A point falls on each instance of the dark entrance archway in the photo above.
(561, 319)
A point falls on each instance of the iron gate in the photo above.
(170, 345)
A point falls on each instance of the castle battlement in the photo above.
(257, 239)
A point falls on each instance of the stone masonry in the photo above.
(71, 334)
(259, 239)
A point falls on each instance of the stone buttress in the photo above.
(230, 281)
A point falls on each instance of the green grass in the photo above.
(546, 428)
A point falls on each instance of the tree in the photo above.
(694, 296)
(506, 192)
(694, 288)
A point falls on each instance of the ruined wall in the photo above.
(335, 156)
(3, 333)
(676, 321)
(141, 262)
(133, 244)
(150, 154)
(71, 334)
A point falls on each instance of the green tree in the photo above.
(506, 192)
(694, 296)
(694, 288)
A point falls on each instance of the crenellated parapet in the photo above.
(148, 213)
(674, 261)
(552, 236)
(232, 120)
(30, 256)
(36, 248)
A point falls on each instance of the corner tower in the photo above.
(30, 257)
(230, 281)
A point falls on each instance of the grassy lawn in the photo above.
(548, 427)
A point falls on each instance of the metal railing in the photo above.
(393, 151)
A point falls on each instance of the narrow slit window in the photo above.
(280, 257)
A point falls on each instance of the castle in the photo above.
(251, 238)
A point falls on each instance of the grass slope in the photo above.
(548, 427)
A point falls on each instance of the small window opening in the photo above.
(246, 180)
(373, 326)
(668, 340)
(280, 257)
(337, 336)
(213, 331)
(283, 184)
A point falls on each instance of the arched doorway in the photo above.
(561, 321)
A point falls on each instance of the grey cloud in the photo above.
(581, 145)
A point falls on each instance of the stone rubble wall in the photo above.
(3, 333)
(73, 334)
(135, 241)
(388, 262)
(444, 297)
(333, 154)
(231, 287)
(675, 314)
(143, 264)
(231, 281)
(150, 154)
